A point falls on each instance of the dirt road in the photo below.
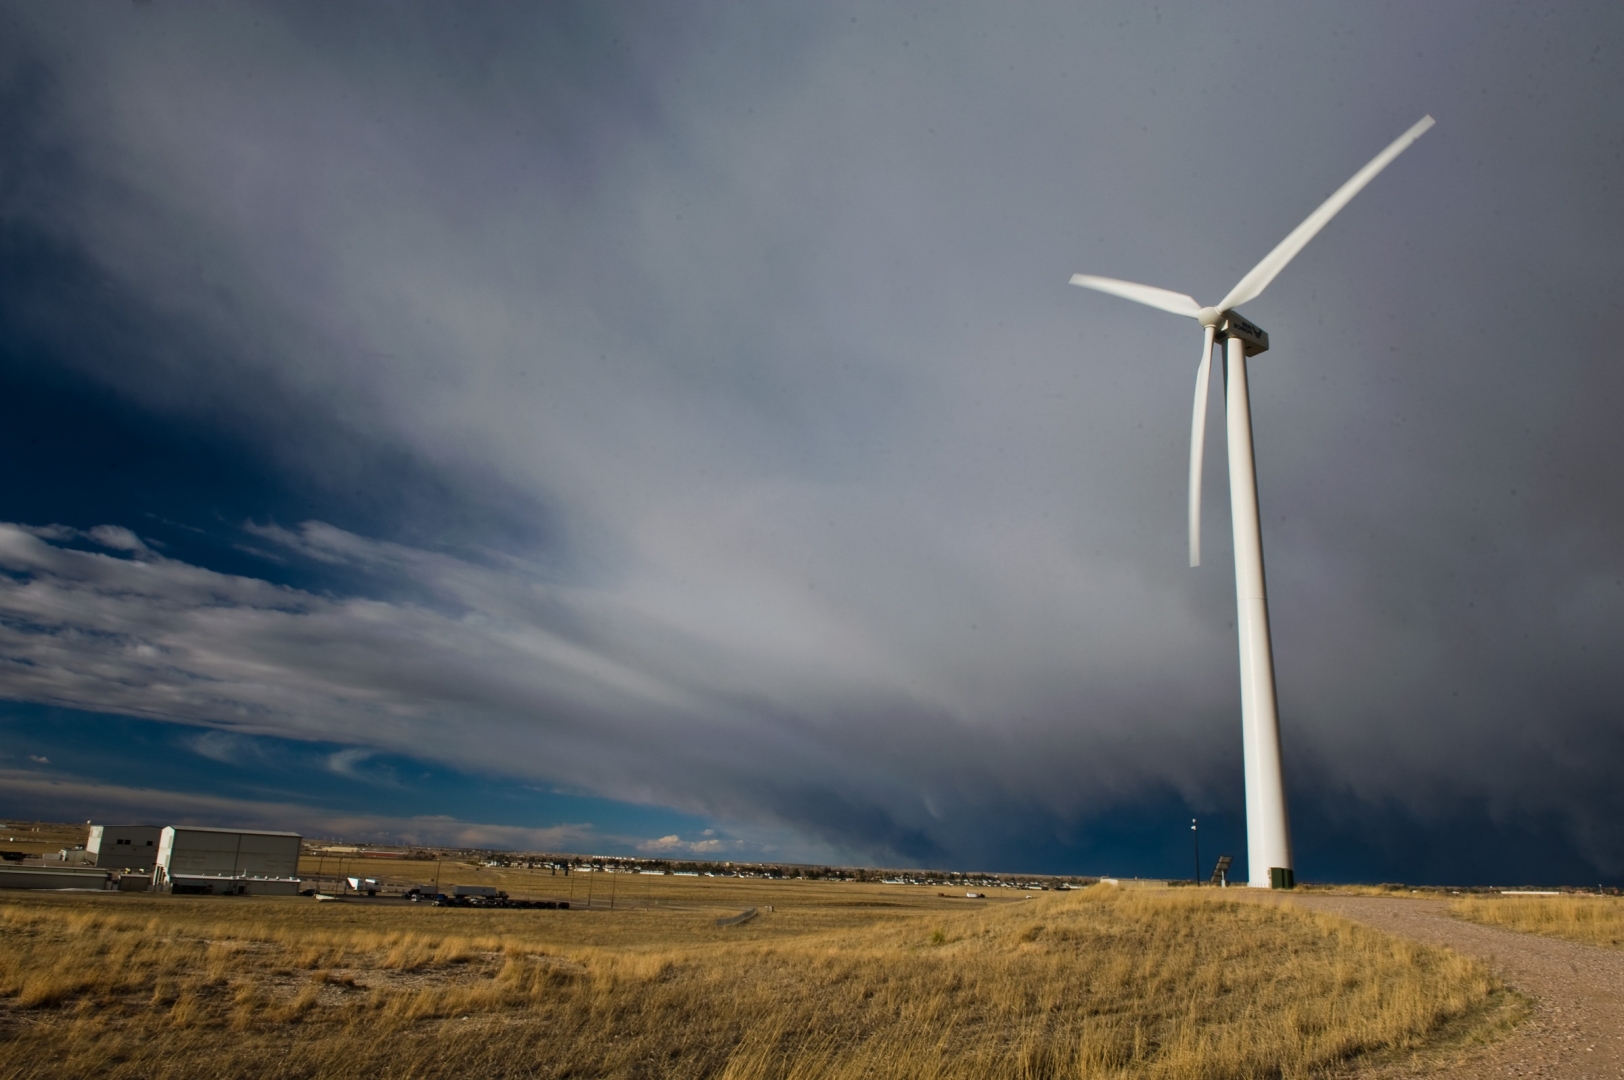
(1577, 1027)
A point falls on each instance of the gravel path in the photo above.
(1576, 1029)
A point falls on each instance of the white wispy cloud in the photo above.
(673, 844)
(226, 747)
(116, 537)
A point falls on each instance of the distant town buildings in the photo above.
(197, 860)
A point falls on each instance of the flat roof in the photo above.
(233, 832)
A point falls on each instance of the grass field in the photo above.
(40, 837)
(837, 980)
(1594, 920)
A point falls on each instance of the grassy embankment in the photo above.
(1594, 920)
(840, 980)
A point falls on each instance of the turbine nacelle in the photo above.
(1234, 324)
(1253, 337)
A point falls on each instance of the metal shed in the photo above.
(234, 862)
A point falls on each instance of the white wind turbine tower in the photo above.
(1268, 835)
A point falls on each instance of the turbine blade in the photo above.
(1167, 300)
(1198, 440)
(1252, 285)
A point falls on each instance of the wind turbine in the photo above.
(1268, 834)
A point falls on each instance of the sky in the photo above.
(649, 428)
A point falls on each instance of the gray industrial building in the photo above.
(124, 847)
(53, 877)
(234, 862)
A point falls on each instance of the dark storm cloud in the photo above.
(826, 501)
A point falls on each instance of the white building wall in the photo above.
(124, 847)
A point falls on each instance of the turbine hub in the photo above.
(1209, 316)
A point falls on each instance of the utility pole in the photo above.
(1196, 835)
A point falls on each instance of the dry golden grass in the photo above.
(837, 981)
(1594, 920)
